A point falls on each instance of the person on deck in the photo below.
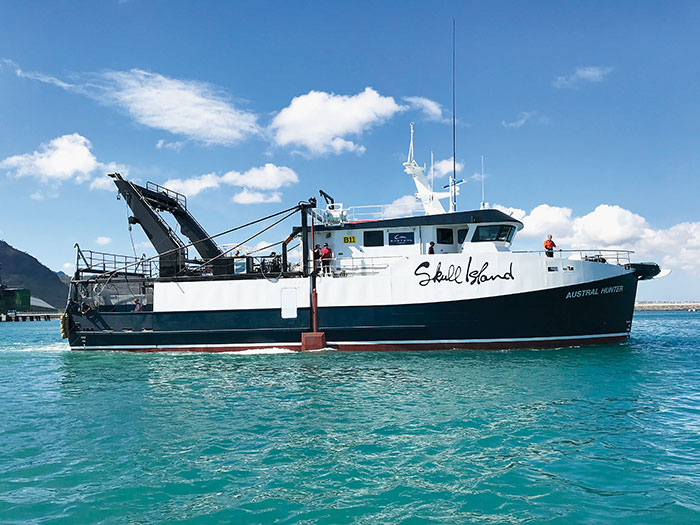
(549, 246)
(137, 305)
(431, 248)
(326, 256)
(317, 257)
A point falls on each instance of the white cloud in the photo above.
(174, 146)
(37, 196)
(444, 167)
(430, 109)
(102, 182)
(406, 205)
(196, 110)
(183, 107)
(102, 241)
(194, 185)
(614, 227)
(68, 268)
(318, 122)
(516, 213)
(267, 177)
(520, 120)
(609, 226)
(256, 197)
(592, 74)
(545, 219)
(63, 158)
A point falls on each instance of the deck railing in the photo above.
(367, 213)
(347, 266)
(89, 261)
(618, 257)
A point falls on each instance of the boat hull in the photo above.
(594, 312)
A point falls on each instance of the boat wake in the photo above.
(24, 347)
(263, 351)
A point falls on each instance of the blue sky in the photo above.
(586, 113)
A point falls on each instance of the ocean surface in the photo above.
(580, 435)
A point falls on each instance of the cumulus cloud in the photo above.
(102, 241)
(319, 123)
(268, 177)
(63, 158)
(431, 110)
(444, 167)
(194, 185)
(519, 121)
(174, 146)
(591, 74)
(406, 205)
(256, 197)
(614, 227)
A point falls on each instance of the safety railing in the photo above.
(619, 257)
(89, 261)
(367, 213)
(349, 266)
(179, 197)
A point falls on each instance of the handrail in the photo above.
(341, 266)
(620, 256)
(365, 213)
(157, 188)
(102, 262)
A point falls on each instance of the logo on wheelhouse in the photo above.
(455, 274)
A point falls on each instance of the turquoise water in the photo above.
(591, 435)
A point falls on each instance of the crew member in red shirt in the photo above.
(326, 256)
(549, 246)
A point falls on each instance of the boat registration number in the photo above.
(349, 239)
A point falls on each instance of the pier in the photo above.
(19, 317)
(667, 306)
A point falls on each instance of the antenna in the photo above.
(410, 148)
(484, 204)
(483, 198)
(432, 172)
(453, 203)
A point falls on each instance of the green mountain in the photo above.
(21, 270)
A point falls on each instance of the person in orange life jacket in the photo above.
(549, 246)
(326, 256)
(431, 248)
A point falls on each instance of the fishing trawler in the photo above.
(440, 279)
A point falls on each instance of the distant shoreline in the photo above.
(666, 306)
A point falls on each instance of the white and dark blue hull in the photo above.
(498, 300)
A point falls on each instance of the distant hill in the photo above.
(65, 278)
(19, 269)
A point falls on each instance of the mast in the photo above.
(429, 198)
(453, 186)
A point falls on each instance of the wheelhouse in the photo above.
(469, 231)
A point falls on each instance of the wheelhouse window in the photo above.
(445, 236)
(461, 235)
(496, 232)
(373, 238)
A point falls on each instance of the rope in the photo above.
(293, 210)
